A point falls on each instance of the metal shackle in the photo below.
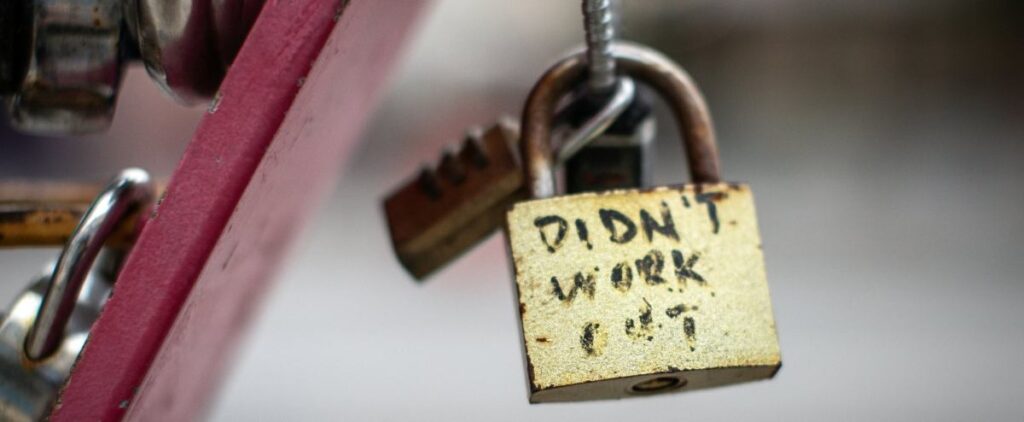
(641, 63)
(130, 192)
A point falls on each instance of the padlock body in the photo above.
(450, 208)
(633, 292)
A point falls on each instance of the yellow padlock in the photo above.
(633, 292)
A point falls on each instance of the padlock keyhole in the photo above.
(658, 385)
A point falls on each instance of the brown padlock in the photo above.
(446, 210)
(633, 292)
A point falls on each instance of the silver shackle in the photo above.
(129, 193)
(45, 328)
(642, 64)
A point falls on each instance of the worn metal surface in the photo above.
(74, 69)
(42, 213)
(61, 61)
(48, 192)
(446, 210)
(32, 225)
(633, 292)
(24, 225)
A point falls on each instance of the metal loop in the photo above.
(593, 127)
(644, 65)
(130, 192)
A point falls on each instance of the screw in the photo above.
(599, 23)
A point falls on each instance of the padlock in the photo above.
(621, 157)
(45, 329)
(445, 211)
(634, 292)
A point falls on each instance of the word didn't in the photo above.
(621, 228)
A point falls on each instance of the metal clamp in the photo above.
(73, 71)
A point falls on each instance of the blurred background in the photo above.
(884, 142)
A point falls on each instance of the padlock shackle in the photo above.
(641, 63)
(131, 191)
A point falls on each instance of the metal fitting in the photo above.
(73, 69)
(45, 329)
(61, 66)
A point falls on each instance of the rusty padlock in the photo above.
(633, 292)
(445, 211)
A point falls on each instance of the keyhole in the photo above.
(657, 385)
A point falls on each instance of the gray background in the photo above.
(883, 141)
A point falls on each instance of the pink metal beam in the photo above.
(290, 109)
